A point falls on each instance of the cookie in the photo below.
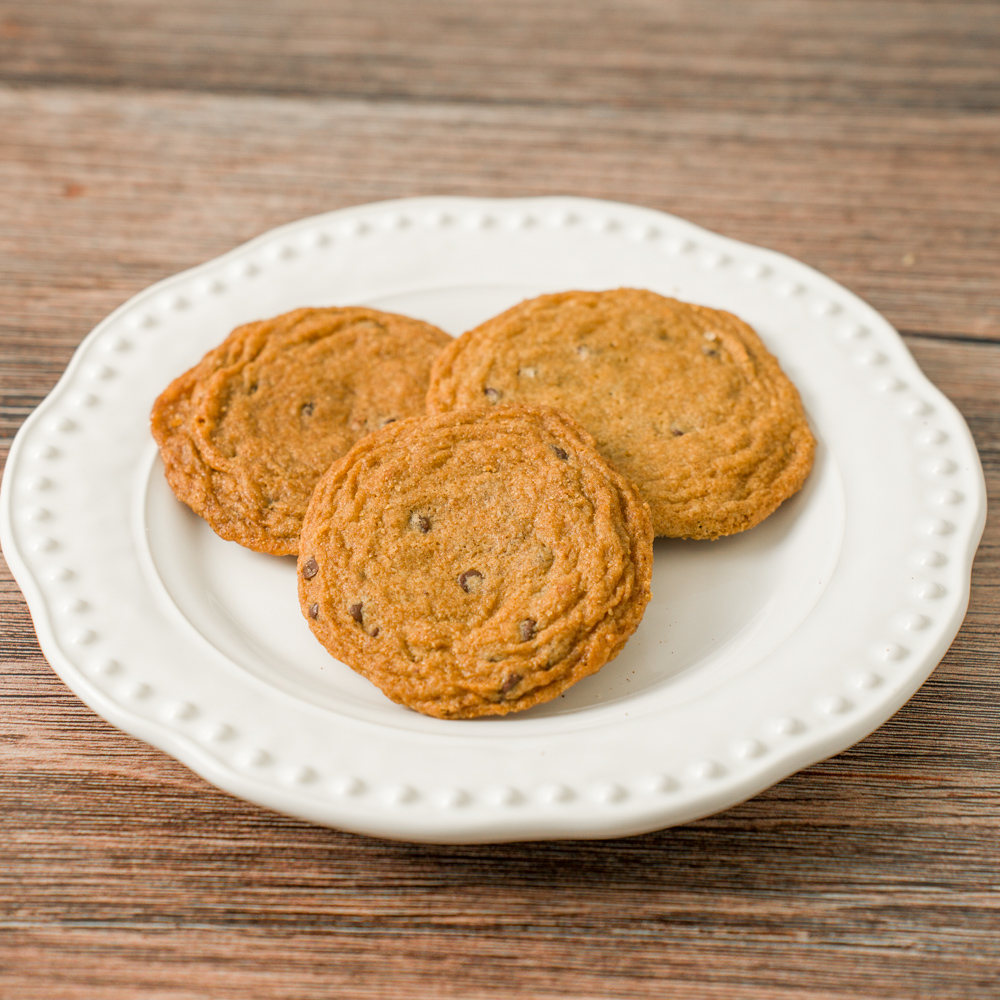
(685, 401)
(247, 432)
(475, 563)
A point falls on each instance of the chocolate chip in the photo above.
(677, 432)
(466, 579)
(375, 631)
(385, 421)
(526, 630)
(491, 394)
(252, 389)
(710, 353)
(508, 685)
(355, 611)
(307, 409)
(421, 523)
(560, 453)
(310, 569)
(313, 610)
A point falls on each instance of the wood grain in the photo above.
(140, 138)
(660, 54)
(132, 187)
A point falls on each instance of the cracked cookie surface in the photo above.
(247, 432)
(684, 400)
(475, 563)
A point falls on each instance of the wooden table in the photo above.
(139, 137)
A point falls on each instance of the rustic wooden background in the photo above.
(139, 137)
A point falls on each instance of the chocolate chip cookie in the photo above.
(684, 400)
(475, 563)
(247, 432)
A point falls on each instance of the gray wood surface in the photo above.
(138, 138)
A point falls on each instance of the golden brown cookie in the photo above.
(248, 431)
(475, 563)
(686, 401)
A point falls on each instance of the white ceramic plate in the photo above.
(758, 655)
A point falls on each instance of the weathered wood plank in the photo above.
(102, 193)
(121, 964)
(663, 54)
